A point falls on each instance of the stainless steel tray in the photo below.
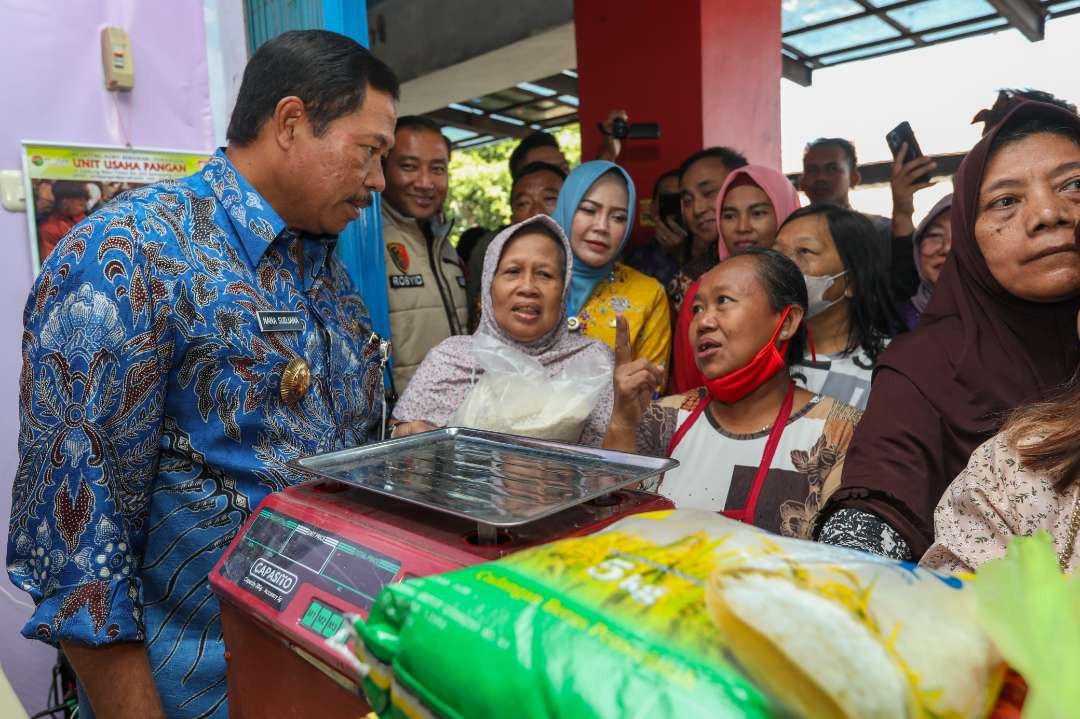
(494, 479)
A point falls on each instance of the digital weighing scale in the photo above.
(373, 515)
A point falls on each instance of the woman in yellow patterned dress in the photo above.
(595, 209)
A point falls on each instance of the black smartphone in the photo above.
(670, 206)
(898, 136)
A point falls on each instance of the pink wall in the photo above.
(52, 91)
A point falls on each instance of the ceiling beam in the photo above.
(883, 15)
(541, 55)
(480, 124)
(420, 37)
(560, 83)
(797, 72)
(879, 173)
(1027, 17)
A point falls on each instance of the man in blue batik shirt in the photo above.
(181, 346)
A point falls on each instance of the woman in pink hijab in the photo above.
(751, 205)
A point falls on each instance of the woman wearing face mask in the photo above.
(998, 333)
(595, 209)
(932, 243)
(753, 202)
(526, 279)
(751, 444)
(851, 315)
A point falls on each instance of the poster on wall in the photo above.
(65, 183)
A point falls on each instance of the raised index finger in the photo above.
(623, 353)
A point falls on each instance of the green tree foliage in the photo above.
(480, 181)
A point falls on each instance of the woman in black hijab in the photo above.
(999, 332)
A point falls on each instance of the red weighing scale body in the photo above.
(317, 550)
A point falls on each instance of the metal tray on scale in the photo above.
(495, 480)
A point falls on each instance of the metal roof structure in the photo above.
(823, 33)
(817, 34)
(878, 174)
(544, 104)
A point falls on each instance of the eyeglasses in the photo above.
(932, 244)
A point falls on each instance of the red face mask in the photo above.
(764, 366)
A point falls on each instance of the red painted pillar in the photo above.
(707, 70)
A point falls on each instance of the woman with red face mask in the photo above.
(750, 443)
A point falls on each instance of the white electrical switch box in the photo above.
(116, 59)
(12, 190)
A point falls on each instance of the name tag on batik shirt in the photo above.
(280, 321)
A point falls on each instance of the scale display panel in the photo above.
(278, 554)
(322, 619)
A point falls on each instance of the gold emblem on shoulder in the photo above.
(295, 381)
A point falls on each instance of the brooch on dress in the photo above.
(295, 381)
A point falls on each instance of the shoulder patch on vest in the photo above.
(399, 255)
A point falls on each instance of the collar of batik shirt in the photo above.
(254, 221)
(257, 225)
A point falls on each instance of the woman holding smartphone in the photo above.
(669, 249)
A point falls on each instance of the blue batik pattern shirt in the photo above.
(151, 420)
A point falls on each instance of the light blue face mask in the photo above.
(816, 287)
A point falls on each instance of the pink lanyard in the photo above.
(746, 514)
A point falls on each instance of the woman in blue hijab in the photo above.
(596, 210)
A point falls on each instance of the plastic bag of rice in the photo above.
(680, 614)
(515, 394)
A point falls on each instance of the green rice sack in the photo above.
(657, 616)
